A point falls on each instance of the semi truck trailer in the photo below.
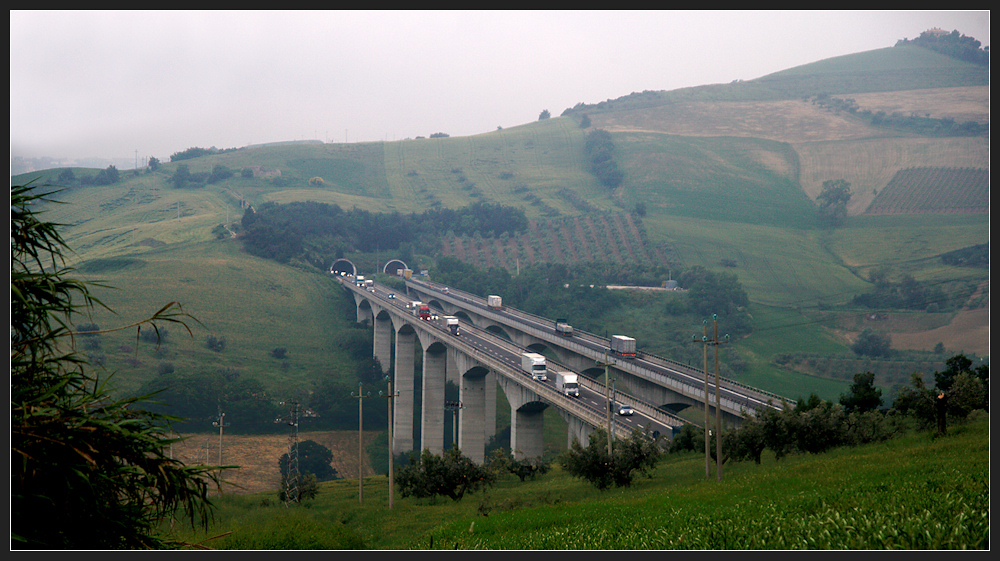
(534, 364)
(623, 346)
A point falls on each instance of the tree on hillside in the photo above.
(639, 453)
(862, 396)
(502, 460)
(599, 150)
(451, 474)
(107, 176)
(181, 176)
(870, 343)
(544, 114)
(313, 458)
(833, 201)
(88, 470)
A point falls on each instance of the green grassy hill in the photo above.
(726, 175)
(915, 492)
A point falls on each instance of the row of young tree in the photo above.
(318, 233)
(453, 475)
(814, 425)
(809, 426)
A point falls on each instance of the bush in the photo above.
(639, 453)
(451, 475)
(217, 344)
(870, 343)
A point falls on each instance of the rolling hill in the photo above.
(726, 177)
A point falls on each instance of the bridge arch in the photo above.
(499, 331)
(462, 315)
(343, 266)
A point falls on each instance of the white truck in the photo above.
(494, 301)
(623, 346)
(534, 364)
(452, 323)
(567, 384)
(563, 328)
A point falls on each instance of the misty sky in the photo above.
(116, 84)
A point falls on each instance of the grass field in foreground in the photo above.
(913, 492)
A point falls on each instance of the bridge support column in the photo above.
(578, 430)
(526, 421)
(477, 392)
(527, 434)
(383, 342)
(402, 418)
(471, 430)
(432, 399)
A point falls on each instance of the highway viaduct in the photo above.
(669, 385)
(479, 362)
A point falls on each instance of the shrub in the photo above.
(639, 453)
(451, 475)
(217, 344)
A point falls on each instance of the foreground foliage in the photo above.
(917, 491)
(450, 474)
(637, 454)
(87, 471)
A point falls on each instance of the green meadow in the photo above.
(914, 492)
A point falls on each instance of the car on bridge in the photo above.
(625, 411)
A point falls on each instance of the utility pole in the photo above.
(607, 397)
(718, 399)
(361, 485)
(220, 422)
(704, 339)
(390, 396)
(454, 407)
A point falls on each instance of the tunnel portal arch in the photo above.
(393, 267)
(343, 266)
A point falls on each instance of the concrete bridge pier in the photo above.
(383, 341)
(578, 430)
(432, 398)
(404, 383)
(526, 420)
(472, 430)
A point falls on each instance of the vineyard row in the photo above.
(933, 189)
(614, 238)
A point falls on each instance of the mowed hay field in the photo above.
(258, 456)
(830, 144)
(870, 164)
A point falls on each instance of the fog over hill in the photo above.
(124, 86)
